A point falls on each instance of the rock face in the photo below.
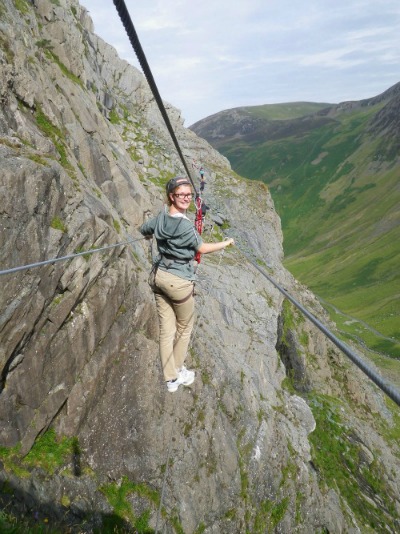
(84, 155)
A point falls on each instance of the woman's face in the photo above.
(182, 197)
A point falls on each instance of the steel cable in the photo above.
(388, 388)
(134, 40)
(69, 257)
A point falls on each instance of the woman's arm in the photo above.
(206, 248)
(147, 228)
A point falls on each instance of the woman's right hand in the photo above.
(206, 248)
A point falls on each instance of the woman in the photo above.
(172, 278)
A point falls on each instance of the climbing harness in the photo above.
(157, 290)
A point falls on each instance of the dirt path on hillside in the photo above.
(354, 320)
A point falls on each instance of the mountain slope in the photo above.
(253, 122)
(334, 179)
(278, 433)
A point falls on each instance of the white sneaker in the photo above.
(185, 376)
(173, 385)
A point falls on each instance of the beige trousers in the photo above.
(175, 307)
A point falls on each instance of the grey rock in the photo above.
(217, 219)
(78, 340)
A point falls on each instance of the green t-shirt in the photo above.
(176, 238)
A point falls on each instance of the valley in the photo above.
(334, 177)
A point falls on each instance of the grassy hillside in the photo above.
(334, 177)
(252, 123)
(283, 111)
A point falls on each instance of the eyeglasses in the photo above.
(183, 195)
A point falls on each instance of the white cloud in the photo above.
(332, 59)
(210, 55)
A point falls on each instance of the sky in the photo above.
(210, 55)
